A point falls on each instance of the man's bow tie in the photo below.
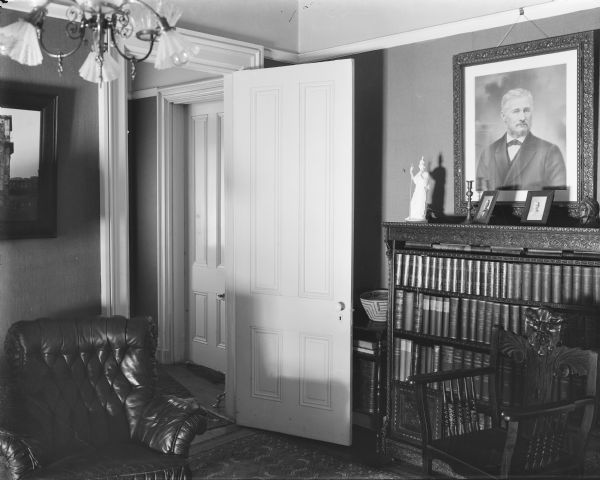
(513, 143)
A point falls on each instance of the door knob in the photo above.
(221, 296)
(341, 306)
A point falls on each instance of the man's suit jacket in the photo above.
(538, 165)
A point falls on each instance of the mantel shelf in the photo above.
(566, 239)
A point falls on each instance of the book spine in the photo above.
(505, 315)
(536, 282)
(510, 281)
(439, 314)
(496, 319)
(515, 318)
(463, 325)
(398, 268)
(447, 274)
(406, 269)
(408, 314)
(546, 283)
(557, 287)
(427, 303)
(399, 309)
(454, 315)
(567, 284)
(499, 280)
(455, 279)
(418, 323)
(472, 331)
(477, 284)
(470, 289)
(526, 281)
(444, 328)
(482, 318)
(439, 274)
(517, 281)
(427, 266)
(577, 288)
(485, 279)
(587, 285)
(464, 276)
(596, 281)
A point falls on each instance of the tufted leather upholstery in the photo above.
(87, 404)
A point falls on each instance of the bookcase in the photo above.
(449, 283)
(369, 373)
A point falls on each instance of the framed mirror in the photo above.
(28, 129)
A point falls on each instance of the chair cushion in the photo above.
(127, 461)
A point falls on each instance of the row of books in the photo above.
(472, 318)
(365, 385)
(541, 282)
(455, 317)
(410, 358)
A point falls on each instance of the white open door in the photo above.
(291, 187)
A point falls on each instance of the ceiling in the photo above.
(310, 26)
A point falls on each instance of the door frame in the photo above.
(170, 212)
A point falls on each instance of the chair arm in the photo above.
(421, 378)
(512, 414)
(169, 424)
(16, 454)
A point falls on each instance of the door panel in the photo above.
(207, 320)
(291, 185)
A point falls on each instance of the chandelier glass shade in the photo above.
(104, 27)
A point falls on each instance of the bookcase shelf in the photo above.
(449, 283)
(426, 339)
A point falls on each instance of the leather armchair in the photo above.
(87, 403)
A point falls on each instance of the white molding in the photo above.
(229, 260)
(217, 55)
(144, 93)
(282, 55)
(203, 91)
(114, 196)
(170, 234)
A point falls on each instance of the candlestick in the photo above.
(469, 218)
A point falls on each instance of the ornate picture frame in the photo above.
(28, 130)
(560, 74)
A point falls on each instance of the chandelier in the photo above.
(104, 27)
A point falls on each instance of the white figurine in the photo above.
(418, 202)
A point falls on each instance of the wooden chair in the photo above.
(526, 414)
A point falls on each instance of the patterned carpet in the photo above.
(262, 455)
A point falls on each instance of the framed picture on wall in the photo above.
(524, 120)
(27, 162)
(537, 207)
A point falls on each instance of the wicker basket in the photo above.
(375, 304)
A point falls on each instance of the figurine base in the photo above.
(409, 219)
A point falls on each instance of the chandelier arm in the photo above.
(59, 54)
(131, 58)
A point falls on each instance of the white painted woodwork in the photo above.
(290, 184)
(171, 291)
(114, 195)
(205, 240)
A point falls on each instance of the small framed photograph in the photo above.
(537, 207)
(486, 205)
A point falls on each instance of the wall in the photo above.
(57, 276)
(418, 99)
(142, 206)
